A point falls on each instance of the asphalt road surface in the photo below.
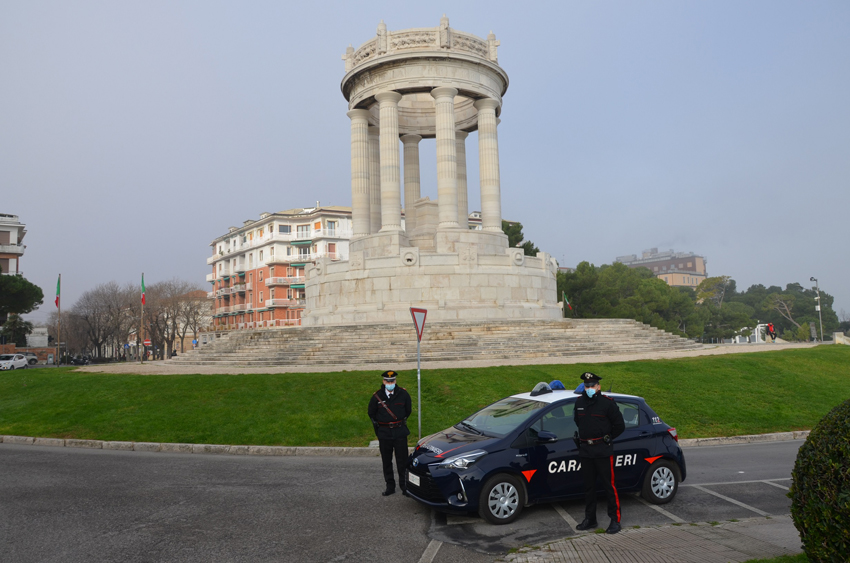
(74, 505)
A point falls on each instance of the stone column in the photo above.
(411, 180)
(488, 157)
(462, 196)
(390, 166)
(359, 171)
(374, 179)
(446, 157)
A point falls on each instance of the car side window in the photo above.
(559, 421)
(631, 415)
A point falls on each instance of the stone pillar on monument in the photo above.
(390, 165)
(359, 171)
(446, 156)
(374, 179)
(411, 180)
(462, 195)
(488, 158)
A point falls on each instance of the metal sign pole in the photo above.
(418, 389)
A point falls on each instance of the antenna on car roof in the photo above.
(611, 387)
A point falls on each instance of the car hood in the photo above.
(449, 443)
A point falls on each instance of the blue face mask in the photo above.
(389, 386)
(590, 392)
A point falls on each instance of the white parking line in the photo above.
(573, 524)
(776, 485)
(657, 508)
(736, 482)
(430, 551)
(733, 501)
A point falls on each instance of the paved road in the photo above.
(70, 505)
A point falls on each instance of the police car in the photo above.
(522, 450)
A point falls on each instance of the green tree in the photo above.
(18, 296)
(16, 329)
(517, 240)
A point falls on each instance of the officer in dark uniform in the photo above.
(599, 421)
(389, 408)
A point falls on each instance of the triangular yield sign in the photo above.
(418, 320)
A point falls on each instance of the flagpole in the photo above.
(142, 322)
(59, 326)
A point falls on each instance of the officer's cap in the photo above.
(589, 378)
(389, 375)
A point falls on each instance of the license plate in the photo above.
(413, 479)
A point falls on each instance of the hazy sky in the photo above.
(133, 134)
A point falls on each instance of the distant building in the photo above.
(679, 269)
(12, 233)
(258, 269)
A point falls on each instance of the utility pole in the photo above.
(820, 318)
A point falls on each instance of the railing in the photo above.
(224, 309)
(211, 295)
(285, 302)
(331, 233)
(210, 277)
(239, 307)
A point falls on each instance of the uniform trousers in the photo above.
(388, 447)
(602, 468)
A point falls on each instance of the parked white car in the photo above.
(13, 361)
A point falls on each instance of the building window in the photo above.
(332, 228)
(271, 252)
(271, 293)
(271, 229)
(303, 251)
(284, 229)
(261, 297)
(260, 275)
(681, 266)
(303, 231)
(271, 270)
(690, 264)
(261, 256)
(332, 250)
(655, 268)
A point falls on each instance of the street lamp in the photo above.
(820, 318)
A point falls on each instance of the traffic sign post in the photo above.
(418, 322)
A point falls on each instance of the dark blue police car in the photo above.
(521, 451)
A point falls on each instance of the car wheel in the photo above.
(11, 367)
(661, 482)
(502, 498)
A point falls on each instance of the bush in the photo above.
(820, 489)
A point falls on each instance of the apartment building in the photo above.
(678, 269)
(258, 269)
(12, 233)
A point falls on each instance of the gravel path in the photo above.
(165, 367)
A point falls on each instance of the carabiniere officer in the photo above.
(599, 421)
(389, 409)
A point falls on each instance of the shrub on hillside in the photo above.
(820, 490)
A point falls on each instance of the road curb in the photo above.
(372, 451)
(748, 439)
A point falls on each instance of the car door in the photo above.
(633, 446)
(556, 464)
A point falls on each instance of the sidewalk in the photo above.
(684, 543)
(165, 367)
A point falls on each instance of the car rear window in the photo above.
(632, 415)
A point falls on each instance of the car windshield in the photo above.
(502, 417)
(6, 357)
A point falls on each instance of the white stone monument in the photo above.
(426, 83)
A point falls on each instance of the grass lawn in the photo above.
(704, 396)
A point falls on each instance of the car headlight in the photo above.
(462, 461)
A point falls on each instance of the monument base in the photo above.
(379, 287)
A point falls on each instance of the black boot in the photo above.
(586, 525)
(390, 491)
(613, 527)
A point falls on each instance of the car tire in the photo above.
(661, 482)
(501, 500)
(11, 367)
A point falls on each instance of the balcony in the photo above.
(211, 295)
(239, 307)
(220, 310)
(210, 277)
(241, 287)
(285, 281)
(331, 233)
(285, 302)
(12, 248)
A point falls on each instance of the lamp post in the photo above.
(820, 318)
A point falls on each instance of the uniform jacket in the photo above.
(386, 425)
(596, 418)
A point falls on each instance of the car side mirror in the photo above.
(544, 437)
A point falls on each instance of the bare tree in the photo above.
(195, 314)
(782, 304)
(164, 311)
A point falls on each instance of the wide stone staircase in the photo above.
(456, 341)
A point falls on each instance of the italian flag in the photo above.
(566, 301)
(58, 284)
(143, 289)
